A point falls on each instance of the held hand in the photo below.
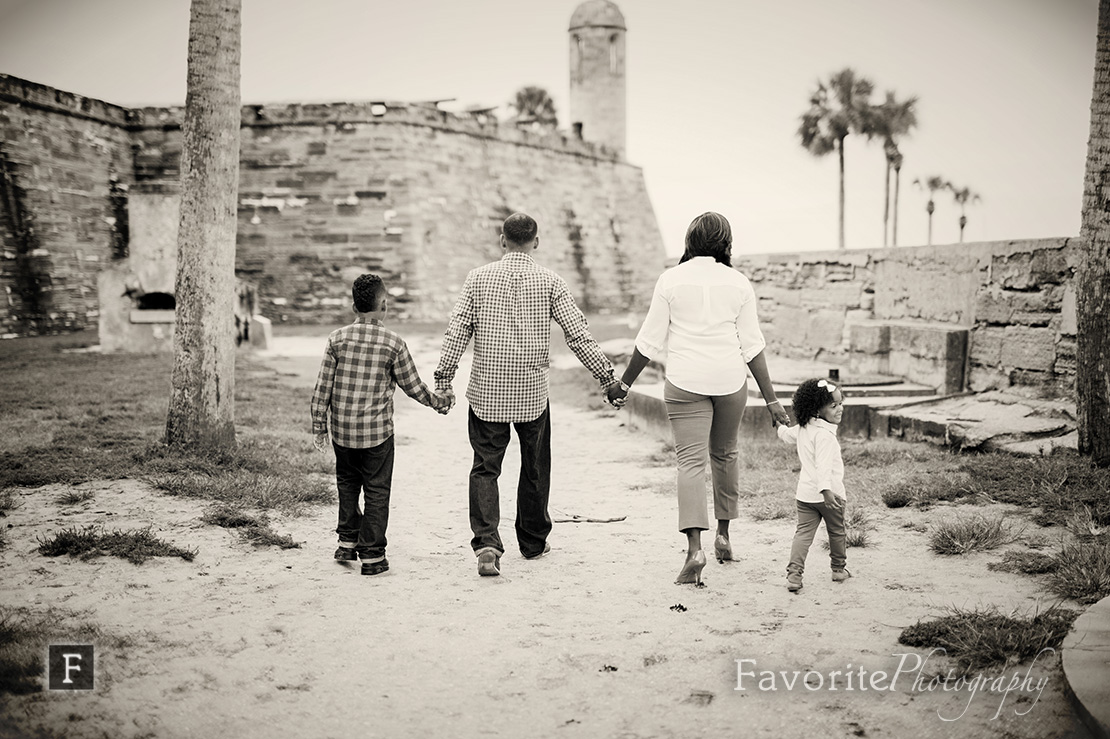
(442, 403)
(616, 396)
(779, 417)
(320, 441)
(832, 501)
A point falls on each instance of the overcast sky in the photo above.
(715, 91)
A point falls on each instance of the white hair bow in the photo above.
(827, 385)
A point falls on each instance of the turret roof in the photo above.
(597, 13)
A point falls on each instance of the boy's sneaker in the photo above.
(375, 566)
(793, 581)
(346, 554)
(489, 562)
(840, 575)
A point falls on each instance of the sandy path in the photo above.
(585, 642)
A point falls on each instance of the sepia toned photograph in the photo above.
(585, 369)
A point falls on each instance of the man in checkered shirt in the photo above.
(363, 364)
(506, 307)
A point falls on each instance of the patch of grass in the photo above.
(986, 638)
(1083, 525)
(971, 533)
(245, 489)
(254, 529)
(1027, 563)
(857, 528)
(1082, 571)
(771, 510)
(7, 501)
(74, 497)
(136, 546)
(898, 497)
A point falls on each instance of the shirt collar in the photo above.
(370, 321)
(515, 256)
(823, 424)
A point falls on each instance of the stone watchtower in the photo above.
(597, 94)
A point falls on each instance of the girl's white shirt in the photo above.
(703, 317)
(819, 452)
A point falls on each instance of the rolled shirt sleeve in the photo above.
(652, 338)
(747, 325)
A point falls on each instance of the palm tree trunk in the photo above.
(894, 225)
(202, 400)
(1092, 277)
(840, 151)
(886, 206)
(930, 241)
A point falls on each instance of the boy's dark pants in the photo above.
(368, 471)
(489, 441)
(809, 516)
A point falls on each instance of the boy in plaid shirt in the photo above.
(362, 366)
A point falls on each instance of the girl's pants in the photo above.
(809, 516)
(706, 430)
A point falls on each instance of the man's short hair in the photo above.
(520, 228)
(367, 291)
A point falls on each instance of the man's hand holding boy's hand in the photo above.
(320, 441)
(443, 401)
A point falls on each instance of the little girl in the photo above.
(818, 407)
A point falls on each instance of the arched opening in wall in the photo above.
(613, 54)
(156, 301)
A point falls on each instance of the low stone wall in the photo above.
(1014, 299)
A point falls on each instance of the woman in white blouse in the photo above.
(703, 317)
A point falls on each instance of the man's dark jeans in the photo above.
(489, 441)
(368, 471)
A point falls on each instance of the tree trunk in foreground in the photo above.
(202, 403)
(1092, 279)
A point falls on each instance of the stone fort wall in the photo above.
(1015, 301)
(326, 192)
(65, 168)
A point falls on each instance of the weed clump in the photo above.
(136, 546)
(971, 533)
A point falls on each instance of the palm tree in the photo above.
(963, 197)
(1092, 274)
(836, 110)
(893, 120)
(932, 184)
(202, 399)
(532, 104)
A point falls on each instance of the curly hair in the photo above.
(367, 292)
(709, 235)
(809, 399)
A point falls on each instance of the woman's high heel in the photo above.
(691, 571)
(723, 548)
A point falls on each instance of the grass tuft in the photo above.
(986, 638)
(254, 529)
(136, 546)
(771, 510)
(1082, 572)
(971, 533)
(899, 497)
(1027, 563)
(246, 489)
(75, 497)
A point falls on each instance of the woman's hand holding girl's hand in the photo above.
(779, 417)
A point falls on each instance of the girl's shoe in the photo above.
(691, 571)
(840, 575)
(794, 581)
(723, 548)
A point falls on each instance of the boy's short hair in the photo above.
(367, 292)
(520, 228)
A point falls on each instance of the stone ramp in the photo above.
(1086, 662)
